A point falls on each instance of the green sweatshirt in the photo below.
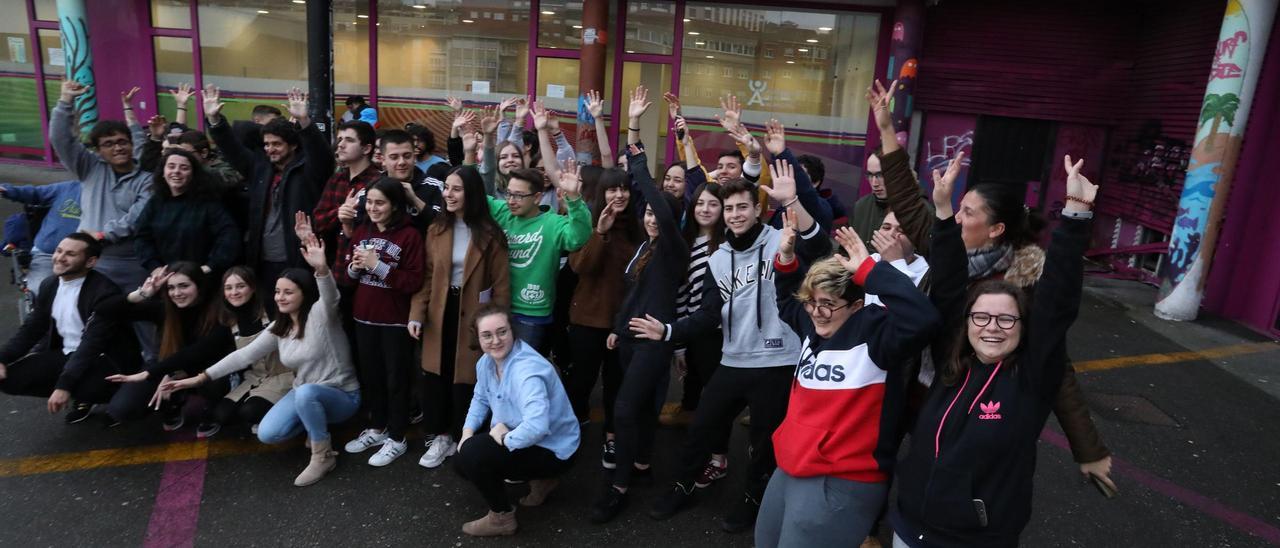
(535, 246)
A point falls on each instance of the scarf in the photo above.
(984, 262)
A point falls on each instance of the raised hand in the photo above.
(302, 226)
(639, 103)
(732, 116)
(892, 246)
(455, 104)
(71, 89)
(787, 243)
(505, 104)
(522, 109)
(784, 183)
(853, 247)
(595, 104)
(156, 125)
(741, 134)
(489, 119)
(880, 99)
(469, 141)
(944, 185)
(461, 120)
(607, 216)
(211, 96)
(570, 181)
(154, 282)
(126, 97)
(1080, 191)
(673, 104)
(647, 327)
(682, 127)
(553, 122)
(539, 115)
(775, 137)
(297, 104)
(313, 253)
(182, 94)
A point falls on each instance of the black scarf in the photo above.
(741, 243)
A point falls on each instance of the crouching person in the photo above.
(533, 434)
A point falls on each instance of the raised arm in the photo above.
(578, 229)
(541, 123)
(595, 107)
(789, 275)
(233, 151)
(63, 135)
(181, 96)
(668, 222)
(635, 109)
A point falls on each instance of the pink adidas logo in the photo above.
(990, 411)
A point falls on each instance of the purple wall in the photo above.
(1080, 141)
(120, 36)
(942, 135)
(1244, 280)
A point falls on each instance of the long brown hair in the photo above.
(227, 313)
(957, 361)
(172, 338)
(310, 294)
(673, 205)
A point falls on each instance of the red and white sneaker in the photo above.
(715, 469)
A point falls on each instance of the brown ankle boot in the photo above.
(323, 459)
(492, 524)
(538, 491)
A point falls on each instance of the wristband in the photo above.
(788, 204)
(1071, 198)
(127, 109)
(182, 108)
(629, 128)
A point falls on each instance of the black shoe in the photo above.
(608, 455)
(207, 429)
(109, 421)
(416, 416)
(678, 498)
(742, 517)
(78, 412)
(642, 475)
(609, 506)
(173, 419)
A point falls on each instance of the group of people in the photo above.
(483, 294)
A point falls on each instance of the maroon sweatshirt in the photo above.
(383, 293)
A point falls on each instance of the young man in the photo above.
(114, 190)
(424, 143)
(869, 211)
(285, 177)
(535, 241)
(63, 218)
(72, 341)
(359, 110)
(355, 153)
(759, 353)
(399, 159)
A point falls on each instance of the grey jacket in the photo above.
(109, 204)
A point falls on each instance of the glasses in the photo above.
(824, 309)
(114, 143)
(983, 319)
(518, 196)
(487, 337)
(875, 174)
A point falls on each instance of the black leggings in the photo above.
(486, 464)
(590, 357)
(131, 401)
(702, 356)
(385, 359)
(247, 410)
(645, 366)
(445, 402)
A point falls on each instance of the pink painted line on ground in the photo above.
(177, 507)
(1239, 520)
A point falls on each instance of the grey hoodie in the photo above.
(740, 295)
(109, 204)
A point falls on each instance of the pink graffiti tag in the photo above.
(1228, 47)
(1223, 69)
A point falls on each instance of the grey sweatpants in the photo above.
(817, 511)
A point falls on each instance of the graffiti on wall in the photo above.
(904, 52)
(1159, 160)
(943, 136)
(75, 44)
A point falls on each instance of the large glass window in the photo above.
(253, 51)
(174, 65)
(651, 27)
(351, 24)
(806, 68)
(46, 10)
(20, 131)
(560, 24)
(171, 14)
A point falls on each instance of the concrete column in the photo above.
(74, 27)
(904, 54)
(595, 21)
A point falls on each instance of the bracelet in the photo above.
(629, 128)
(182, 108)
(788, 204)
(1071, 198)
(127, 109)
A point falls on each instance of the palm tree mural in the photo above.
(1219, 108)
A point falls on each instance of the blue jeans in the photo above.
(532, 330)
(312, 407)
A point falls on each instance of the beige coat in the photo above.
(485, 273)
(266, 378)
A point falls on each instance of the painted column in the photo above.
(74, 28)
(1242, 42)
(904, 52)
(320, 63)
(595, 19)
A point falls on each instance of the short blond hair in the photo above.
(830, 276)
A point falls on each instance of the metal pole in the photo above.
(320, 63)
(1242, 43)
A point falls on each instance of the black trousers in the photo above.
(590, 357)
(766, 391)
(445, 402)
(386, 358)
(130, 403)
(249, 410)
(702, 356)
(486, 464)
(37, 375)
(645, 366)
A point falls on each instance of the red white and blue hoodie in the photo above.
(850, 390)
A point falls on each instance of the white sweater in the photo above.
(321, 357)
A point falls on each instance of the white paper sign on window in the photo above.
(555, 91)
(57, 57)
(479, 86)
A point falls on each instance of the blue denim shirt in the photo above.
(529, 399)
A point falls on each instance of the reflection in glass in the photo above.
(254, 51)
(559, 24)
(20, 131)
(651, 27)
(171, 14)
(174, 66)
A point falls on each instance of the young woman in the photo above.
(838, 442)
(466, 267)
(267, 380)
(532, 435)
(185, 219)
(967, 477)
(191, 338)
(653, 277)
(385, 263)
(673, 180)
(599, 266)
(308, 336)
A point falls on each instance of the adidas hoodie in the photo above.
(849, 394)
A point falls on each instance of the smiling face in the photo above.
(707, 209)
(673, 181)
(829, 312)
(496, 336)
(974, 218)
(349, 148)
(398, 159)
(236, 291)
(454, 194)
(182, 290)
(116, 149)
(992, 343)
(509, 158)
(521, 199)
(70, 260)
(278, 151)
(650, 223)
(728, 167)
(378, 206)
(288, 296)
(617, 198)
(741, 212)
(177, 173)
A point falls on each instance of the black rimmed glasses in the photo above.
(1003, 321)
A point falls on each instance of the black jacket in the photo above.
(300, 185)
(652, 290)
(101, 306)
(975, 440)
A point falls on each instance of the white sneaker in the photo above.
(391, 450)
(368, 438)
(438, 448)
